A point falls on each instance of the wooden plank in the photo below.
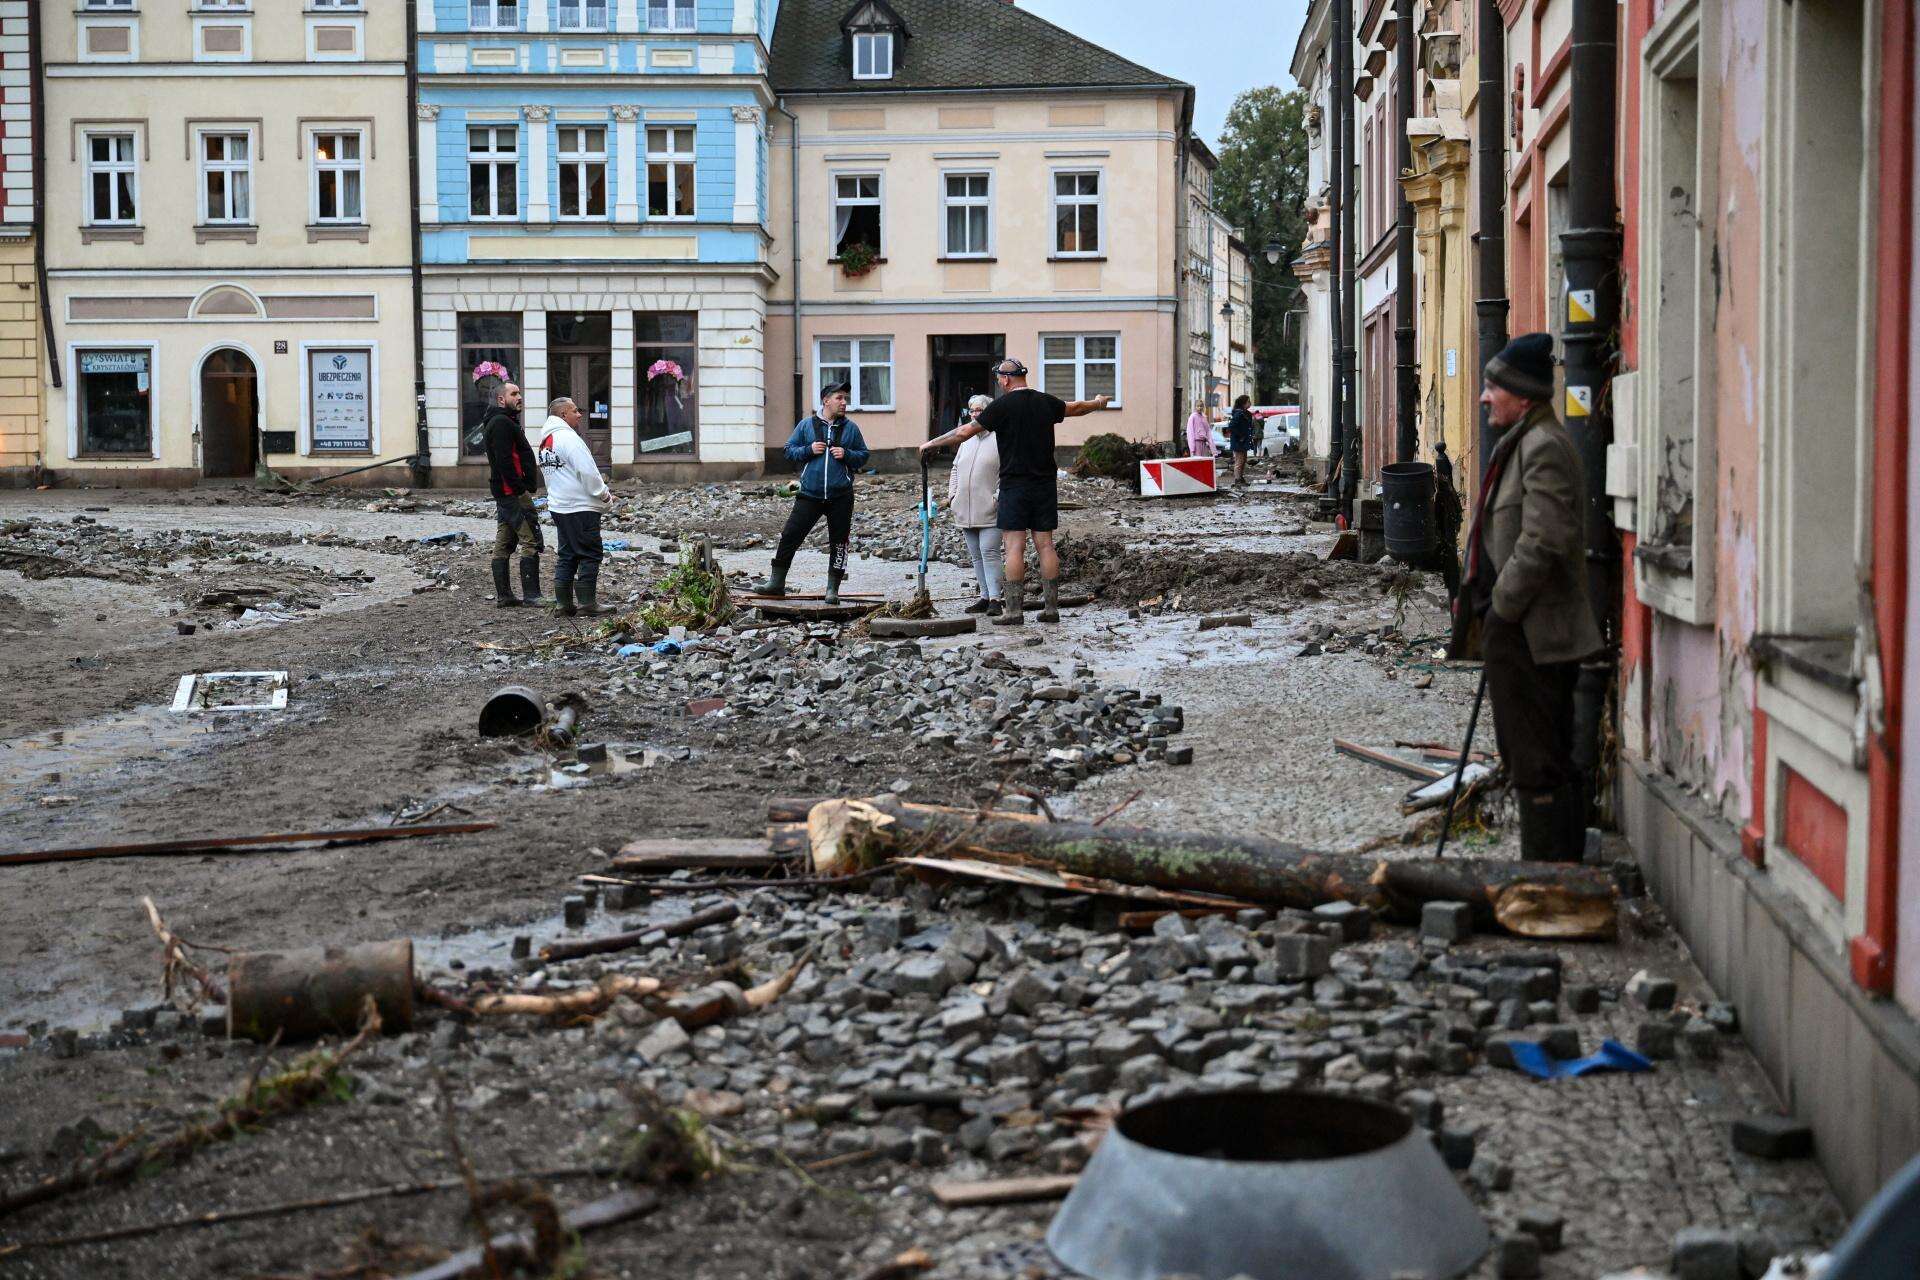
(514, 1246)
(805, 611)
(918, 628)
(964, 1195)
(226, 844)
(1387, 760)
(1064, 882)
(671, 854)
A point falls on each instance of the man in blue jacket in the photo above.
(832, 449)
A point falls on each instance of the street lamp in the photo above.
(1226, 311)
(1274, 251)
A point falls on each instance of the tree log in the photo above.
(318, 991)
(659, 932)
(588, 1002)
(1532, 899)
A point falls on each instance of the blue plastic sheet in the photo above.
(667, 648)
(1532, 1057)
(616, 544)
(630, 651)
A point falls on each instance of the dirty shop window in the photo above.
(856, 211)
(493, 172)
(670, 15)
(113, 180)
(670, 164)
(1077, 209)
(583, 172)
(337, 178)
(1081, 366)
(116, 403)
(867, 363)
(484, 336)
(669, 410)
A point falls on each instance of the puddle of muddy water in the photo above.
(108, 746)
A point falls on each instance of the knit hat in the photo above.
(1525, 366)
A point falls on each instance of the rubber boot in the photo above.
(503, 587)
(563, 599)
(775, 583)
(1543, 827)
(833, 586)
(1010, 616)
(1050, 601)
(530, 580)
(586, 598)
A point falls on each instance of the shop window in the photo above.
(484, 336)
(115, 403)
(666, 356)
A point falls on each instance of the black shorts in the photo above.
(1029, 506)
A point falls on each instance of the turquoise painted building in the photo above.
(593, 207)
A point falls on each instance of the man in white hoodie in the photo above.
(576, 497)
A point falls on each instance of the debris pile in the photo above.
(1116, 567)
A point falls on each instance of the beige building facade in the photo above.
(228, 240)
(20, 345)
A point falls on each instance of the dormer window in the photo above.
(873, 55)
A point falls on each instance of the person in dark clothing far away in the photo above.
(1022, 421)
(1526, 585)
(514, 477)
(1241, 427)
(830, 446)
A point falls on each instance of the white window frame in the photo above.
(1055, 200)
(681, 15)
(89, 167)
(340, 167)
(878, 201)
(495, 15)
(223, 6)
(853, 365)
(492, 159)
(673, 158)
(109, 6)
(227, 166)
(587, 10)
(351, 6)
(949, 202)
(583, 161)
(1080, 363)
(875, 42)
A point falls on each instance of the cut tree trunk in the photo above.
(1533, 899)
(319, 991)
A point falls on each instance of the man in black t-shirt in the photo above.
(1022, 422)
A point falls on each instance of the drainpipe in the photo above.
(1349, 290)
(420, 465)
(793, 245)
(1491, 305)
(37, 78)
(1590, 248)
(1182, 254)
(1407, 392)
(1336, 207)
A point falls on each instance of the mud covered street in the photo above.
(939, 1029)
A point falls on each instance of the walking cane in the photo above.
(1460, 771)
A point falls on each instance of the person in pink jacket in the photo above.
(1199, 434)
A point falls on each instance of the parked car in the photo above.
(1279, 425)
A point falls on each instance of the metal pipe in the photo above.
(1350, 291)
(1336, 206)
(793, 244)
(1491, 305)
(1590, 247)
(421, 463)
(37, 109)
(1407, 386)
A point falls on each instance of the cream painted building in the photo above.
(228, 239)
(20, 324)
(1017, 187)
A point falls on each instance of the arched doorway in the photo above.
(229, 413)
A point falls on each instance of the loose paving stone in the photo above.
(1706, 1253)
(667, 1036)
(1702, 1041)
(1582, 997)
(1654, 1039)
(1650, 992)
(1773, 1137)
(1353, 921)
(1544, 1225)
(1446, 922)
(1303, 955)
(1517, 1257)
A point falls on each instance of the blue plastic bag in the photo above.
(1532, 1057)
(667, 648)
(629, 651)
(616, 544)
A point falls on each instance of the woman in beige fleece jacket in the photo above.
(973, 494)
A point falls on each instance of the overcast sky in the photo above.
(1220, 47)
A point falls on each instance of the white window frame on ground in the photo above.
(1079, 363)
(968, 201)
(231, 212)
(877, 201)
(493, 159)
(860, 357)
(349, 173)
(1675, 387)
(669, 162)
(874, 51)
(1079, 200)
(116, 215)
(494, 15)
(76, 351)
(679, 15)
(584, 161)
(580, 15)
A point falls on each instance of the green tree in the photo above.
(1261, 187)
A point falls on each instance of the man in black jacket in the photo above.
(514, 477)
